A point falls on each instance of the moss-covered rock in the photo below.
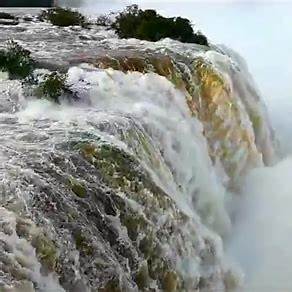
(256, 120)
(20, 286)
(83, 243)
(223, 118)
(115, 165)
(45, 248)
(210, 82)
(142, 277)
(121, 172)
(170, 281)
(78, 188)
(46, 251)
(25, 250)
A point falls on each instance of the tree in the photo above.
(149, 25)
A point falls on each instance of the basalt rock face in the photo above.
(124, 188)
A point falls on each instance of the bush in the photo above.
(63, 17)
(16, 61)
(149, 25)
(53, 86)
(4, 15)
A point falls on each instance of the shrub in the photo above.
(53, 86)
(16, 61)
(200, 39)
(4, 15)
(63, 17)
(149, 25)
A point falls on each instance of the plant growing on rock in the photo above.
(63, 17)
(16, 61)
(53, 86)
(149, 25)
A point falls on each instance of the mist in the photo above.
(71, 3)
(262, 234)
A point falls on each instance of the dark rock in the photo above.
(9, 22)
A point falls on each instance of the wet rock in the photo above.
(78, 189)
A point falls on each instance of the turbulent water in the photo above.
(135, 185)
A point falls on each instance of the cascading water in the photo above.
(125, 112)
(126, 188)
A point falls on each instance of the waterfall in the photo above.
(135, 184)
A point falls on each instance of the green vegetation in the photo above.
(53, 86)
(63, 17)
(78, 188)
(45, 248)
(149, 25)
(16, 61)
(46, 251)
(4, 15)
(82, 243)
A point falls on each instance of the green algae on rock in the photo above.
(77, 188)
(45, 249)
(36, 251)
(122, 172)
